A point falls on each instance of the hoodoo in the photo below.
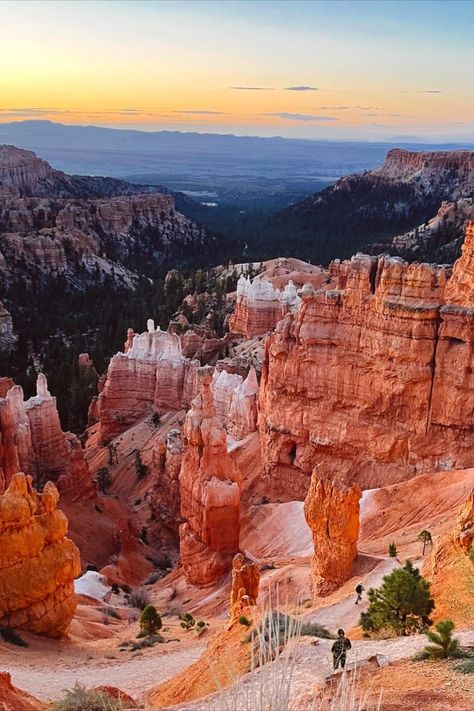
(38, 563)
(332, 513)
(210, 496)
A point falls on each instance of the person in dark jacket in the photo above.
(339, 649)
(359, 591)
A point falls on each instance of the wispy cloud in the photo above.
(346, 108)
(200, 111)
(301, 88)
(253, 88)
(389, 115)
(430, 91)
(301, 117)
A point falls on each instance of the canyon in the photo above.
(269, 457)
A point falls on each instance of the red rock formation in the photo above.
(245, 583)
(210, 498)
(372, 378)
(463, 534)
(332, 513)
(31, 440)
(153, 375)
(38, 563)
(235, 400)
(13, 699)
(258, 308)
(165, 499)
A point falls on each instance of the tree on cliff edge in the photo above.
(403, 603)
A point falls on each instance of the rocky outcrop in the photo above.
(332, 512)
(372, 378)
(38, 563)
(13, 699)
(244, 589)
(235, 400)
(429, 169)
(31, 440)
(463, 534)
(259, 306)
(165, 498)
(7, 338)
(152, 376)
(210, 496)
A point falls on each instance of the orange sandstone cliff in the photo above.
(38, 563)
(373, 377)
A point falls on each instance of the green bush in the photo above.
(471, 553)
(466, 666)
(392, 550)
(244, 621)
(402, 604)
(187, 620)
(150, 620)
(12, 637)
(443, 645)
(81, 699)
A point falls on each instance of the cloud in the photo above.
(252, 88)
(301, 117)
(389, 115)
(199, 111)
(301, 88)
(430, 91)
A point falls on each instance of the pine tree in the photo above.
(104, 479)
(392, 550)
(425, 538)
(443, 645)
(403, 603)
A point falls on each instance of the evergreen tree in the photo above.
(443, 645)
(425, 538)
(392, 550)
(104, 479)
(403, 603)
(150, 620)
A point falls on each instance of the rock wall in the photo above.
(210, 496)
(332, 512)
(151, 376)
(38, 563)
(260, 306)
(31, 440)
(165, 496)
(372, 378)
(235, 400)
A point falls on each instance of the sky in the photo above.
(312, 69)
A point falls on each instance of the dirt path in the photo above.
(133, 675)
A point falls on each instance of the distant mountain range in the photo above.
(223, 164)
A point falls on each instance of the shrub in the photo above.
(466, 666)
(140, 468)
(403, 603)
(81, 699)
(155, 419)
(312, 629)
(110, 612)
(471, 553)
(152, 578)
(138, 598)
(115, 589)
(200, 624)
(443, 645)
(12, 637)
(187, 620)
(392, 550)
(150, 620)
(244, 621)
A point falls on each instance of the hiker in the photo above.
(339, 649)
(359, 591)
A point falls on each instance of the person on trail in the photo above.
(339, 649)
(359, 591)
